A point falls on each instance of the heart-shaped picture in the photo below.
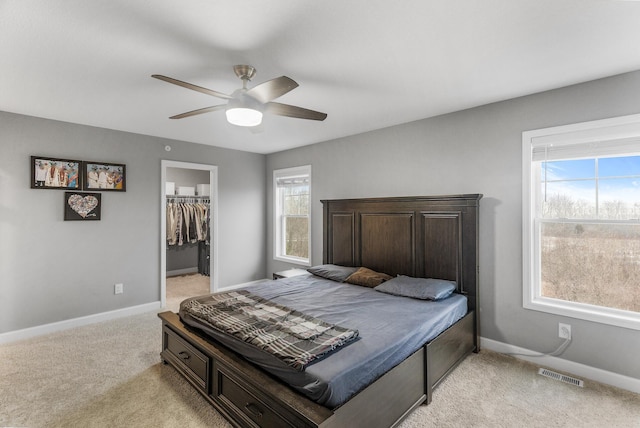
(83, 205)
(87, 206)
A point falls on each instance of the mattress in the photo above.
(391, 329)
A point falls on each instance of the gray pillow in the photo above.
(332, 272)
(418, 288)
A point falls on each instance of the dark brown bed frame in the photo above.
(431, 237)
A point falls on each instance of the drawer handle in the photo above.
(253, 409)
(184, 355)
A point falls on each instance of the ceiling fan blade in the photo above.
(192, 87)
(199, 111)
(293, 111)
(272, 89)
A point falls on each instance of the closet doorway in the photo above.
(193, 264)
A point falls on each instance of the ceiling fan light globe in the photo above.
(242, 116)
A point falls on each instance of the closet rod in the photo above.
(187, 198)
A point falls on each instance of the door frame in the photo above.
(213, 223)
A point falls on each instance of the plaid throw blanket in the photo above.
(295, 338)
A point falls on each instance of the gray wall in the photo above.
(476, 151)
(52, 270)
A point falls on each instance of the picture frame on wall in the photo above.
(103, 176)
(56, 173)
(82, 206)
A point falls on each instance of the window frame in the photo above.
(278, 230)
(618, 128)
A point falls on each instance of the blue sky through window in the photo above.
(577, 179)
(621, 166)
(570, 169)
(586, 168)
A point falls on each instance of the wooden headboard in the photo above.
(424, 236)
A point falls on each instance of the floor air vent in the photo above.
(561, 377)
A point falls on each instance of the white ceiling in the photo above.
(368, 64)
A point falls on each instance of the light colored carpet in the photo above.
(495, 390)
(183, 286)
(109, 375)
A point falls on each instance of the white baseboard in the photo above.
(576, 369)
(27, 333)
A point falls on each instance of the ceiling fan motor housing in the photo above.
(243, 109)
(244, 72)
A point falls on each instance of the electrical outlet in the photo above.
(564, 331)
(118, 289)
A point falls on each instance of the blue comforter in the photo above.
(391, 328)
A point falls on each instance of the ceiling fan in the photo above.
(245, 106)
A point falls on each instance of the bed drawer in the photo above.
(187, 359)
(254, 408)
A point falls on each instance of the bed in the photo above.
(417, 237)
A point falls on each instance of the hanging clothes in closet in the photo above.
(187, 221)
(187, 224)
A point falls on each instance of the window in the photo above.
(292, 231)
(581, 218)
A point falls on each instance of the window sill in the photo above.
(599, 314)
(293, 260)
